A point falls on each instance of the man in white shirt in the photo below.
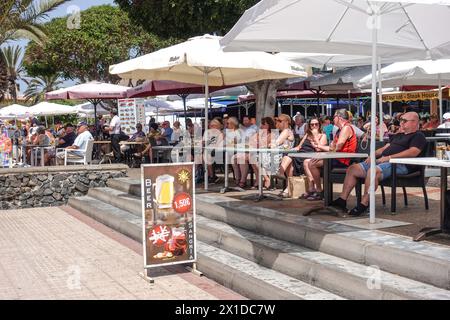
(114, 132)
(299, 127)
(78, 148)
(446, 124)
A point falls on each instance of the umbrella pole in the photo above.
(440, 98)
(380, 100)
(373, 111)
(206, 127)
(184, 106)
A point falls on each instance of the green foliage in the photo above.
(38, 86)
(185, 18)
(20, 18)
(12, 58)
(106, 36)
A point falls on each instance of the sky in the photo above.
(62, 11)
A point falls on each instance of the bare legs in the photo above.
(314, 170)
(355, 172)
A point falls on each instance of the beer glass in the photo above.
(163, 191)
(441, 147)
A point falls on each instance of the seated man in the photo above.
(407, 144)
(79, 144)
(68, 138)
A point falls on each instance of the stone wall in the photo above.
(52, 186)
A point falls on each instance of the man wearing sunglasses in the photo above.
(408, 143)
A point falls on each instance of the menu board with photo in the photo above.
(168, 210)
(140, 114)
(131, 112)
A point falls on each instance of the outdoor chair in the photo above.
(82, 156)
(414, 179)
(338, 174)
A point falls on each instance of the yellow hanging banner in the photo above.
(411, 96)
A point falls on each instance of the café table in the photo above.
(255, 151)
(35, 150)
(445, 215)
(327, 157)
(100, 153)
(132, 145)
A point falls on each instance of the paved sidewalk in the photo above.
(58, 253)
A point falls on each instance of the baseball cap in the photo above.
(82, 123)
(446, 116)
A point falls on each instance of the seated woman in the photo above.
(345, 140)
(262, 139)
(215, 140)
(238, 161)
(311, 142)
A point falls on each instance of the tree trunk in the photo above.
(265, 92)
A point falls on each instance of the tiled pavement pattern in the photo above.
(51, 253)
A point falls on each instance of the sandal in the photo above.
(315, 196)
(242, 185)
(306, 195)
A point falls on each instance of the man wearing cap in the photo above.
(79, 144)
(446, 123)
(69, 138)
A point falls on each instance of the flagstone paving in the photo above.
(59, 253)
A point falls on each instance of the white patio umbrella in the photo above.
(409, 73)
(88, 109)
(14, 111)
(320, 60)
(388, 31)
(200, 60)
(51, 109)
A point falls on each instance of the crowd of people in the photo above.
(402, 133)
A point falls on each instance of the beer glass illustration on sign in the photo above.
(163, 190)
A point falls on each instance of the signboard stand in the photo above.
(146, 276)
(194, 270)
(168, 216)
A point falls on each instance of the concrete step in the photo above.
(119, 199)
(241, 275)
(421, 261)
(342, 277)
(131, 186)
(117, 219)
(252, 280)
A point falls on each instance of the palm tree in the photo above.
(12, 58)
(20, 19)
(37, 87)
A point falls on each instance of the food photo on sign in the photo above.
(168, 213)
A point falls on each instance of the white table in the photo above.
(260, 196)
(327, 157)
(35, 149)
(445, 216)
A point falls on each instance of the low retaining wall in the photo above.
(52, 186)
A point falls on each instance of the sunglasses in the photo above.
(314, 124)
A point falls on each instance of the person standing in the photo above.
(114, 132)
